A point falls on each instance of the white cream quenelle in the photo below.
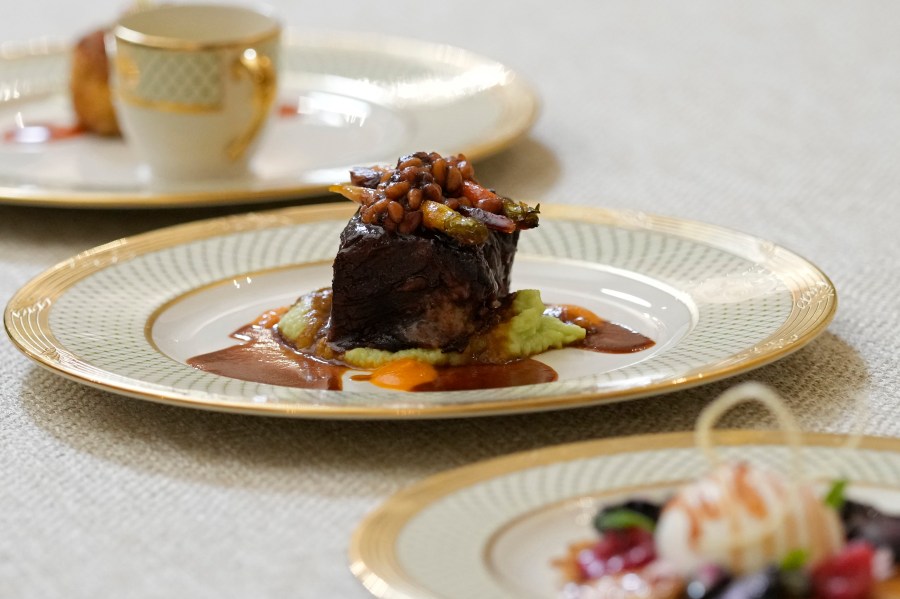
(744, 517)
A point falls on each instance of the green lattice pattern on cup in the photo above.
(174, 78)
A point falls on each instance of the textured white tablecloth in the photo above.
(781, 119)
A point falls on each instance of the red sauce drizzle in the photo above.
(289, 110)
(38, 133)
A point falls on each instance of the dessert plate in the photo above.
(345, 99)
(127, 315)
(501, 523)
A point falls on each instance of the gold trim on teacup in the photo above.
(166, 105)
(136, 38)
(260, 69)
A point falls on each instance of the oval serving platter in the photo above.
(127, 315)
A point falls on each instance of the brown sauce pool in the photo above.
(263, 357)
(602, 336)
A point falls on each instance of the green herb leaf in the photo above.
(835, 496)
(620, 518)
(795, 560)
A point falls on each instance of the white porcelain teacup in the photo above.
(193, 86)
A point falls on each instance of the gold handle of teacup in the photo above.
(259, 68)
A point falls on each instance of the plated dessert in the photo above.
(420, 295)
(759, 514)
(741, 531)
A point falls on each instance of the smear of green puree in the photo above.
(528, 332)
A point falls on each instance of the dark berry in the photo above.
(867, 523)
(645, 508)
(617, 551)
(707, 582)
(759, 585)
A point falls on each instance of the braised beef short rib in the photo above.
(396, 291)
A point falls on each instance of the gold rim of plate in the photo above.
(27, 316)
(372, 553)
(518, 119)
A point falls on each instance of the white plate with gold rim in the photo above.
(127, 315)
(345, 99)
(493, 529)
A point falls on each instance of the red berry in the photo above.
(847, 575)
(616, 551)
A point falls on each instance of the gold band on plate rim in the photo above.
(27, 315)
(372, 553)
